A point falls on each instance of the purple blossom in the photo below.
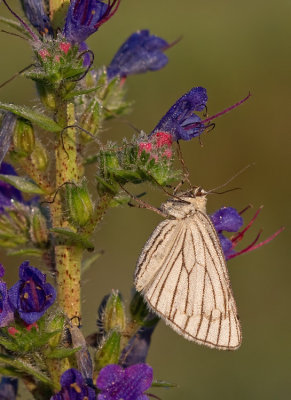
(7, 191)
(86, 16)
(180, 121)
(35, 12)
(6, 131)
(117, 383)
(140, 53)
(31, 296)
(229, 219)
(74, 387)
(8, 388)
(6, 313)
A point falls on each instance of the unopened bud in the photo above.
(47, 95)
(23, 138)
(39, 157)
(38, 228)
(108, 351)
(114, 315)
(91, 119)
(79, 203)
(140, 312)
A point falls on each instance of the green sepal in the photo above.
(164, 384)
(76, 93)
(119, 201)
(108, 351)
(74, 238)
(140, 312)
(61, 352)
(9, 371)
(37, 118)
(22, 184)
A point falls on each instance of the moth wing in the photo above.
(191, 290)
(155, 251)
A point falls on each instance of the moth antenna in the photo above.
(15, 76)
(124, 120)
(185, 169)
(166, 191)
(13, 34)
(32, 34)
(226, 191)
(56, 192)
(143, 204)
(89, 66)
(232, 178)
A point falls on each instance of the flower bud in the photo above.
(91, 119)
(39, 157)
(109, 351)
(23, 138)
(38, 228)
(140, 312)
(79, 203)
(47, 95)
(114, 315)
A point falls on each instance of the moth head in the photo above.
(186, 203)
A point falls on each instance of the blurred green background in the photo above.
(231, 48)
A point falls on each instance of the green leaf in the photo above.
(22, 184)
(8, 344)
(26, 252)
(74, 238)
(91, 260)
(15, 25)
(164, 384)
(76, 93)
(26, 368)
(60, 353)
(35, 117)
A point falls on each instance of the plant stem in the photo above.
(68, 257)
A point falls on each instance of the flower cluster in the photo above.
(113, 382)
(29, 298)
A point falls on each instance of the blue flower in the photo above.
(31, 296)
(180, 121)
(117, 383)
(8, 193)
(35, 12)
(74, 387)
(229, 219)
(86, 16)
(140, 53)
(6, 313)
(6, 131)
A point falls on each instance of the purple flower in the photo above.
(180, 121)
(140, 53)
(31, 296)
(7, 191)
(6, 313)
(229, 219)
(117, 383)
(85, 16)
(35, 12)
(74, 387)
(8, 388)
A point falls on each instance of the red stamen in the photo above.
(240, 235)
(173, 43)
(245, 209)
(108, 13)
(226, 110)
(254, 246)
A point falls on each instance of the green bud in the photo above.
(53, 325)
(39, 157)
(38, 228)
(114, 315)
(108, 351)
(79, 204)
(23, 138)
(91, 119)
(47, 95)
(140, 312)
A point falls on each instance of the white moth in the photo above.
(183, 276)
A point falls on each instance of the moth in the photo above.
(183, 277)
